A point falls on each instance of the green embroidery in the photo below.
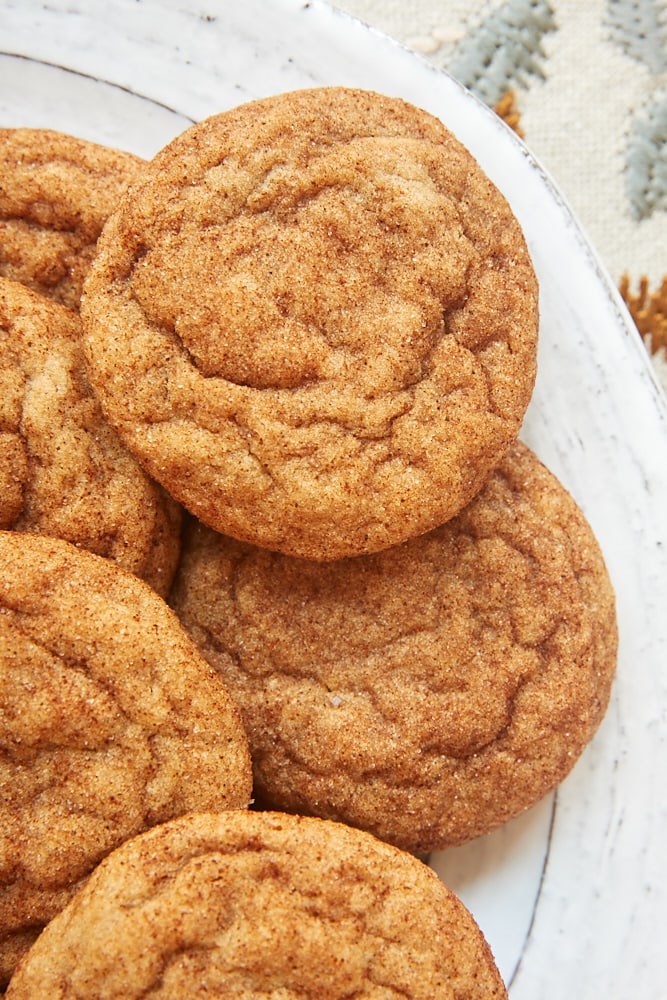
(503, 51)
(647, 157)
(640, 28)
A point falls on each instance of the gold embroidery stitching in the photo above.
(507, 109)
(648, 310)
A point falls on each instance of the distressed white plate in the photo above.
(573, 895)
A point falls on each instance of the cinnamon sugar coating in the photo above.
(249, 906)
(56, 192)
(427, 693)
(64, 471)
(110, 722)
(314, 320)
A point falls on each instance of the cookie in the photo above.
(110, 722)
(260, 905)
(56, 192)
(314, 320)
(427, 693)
(64, 471)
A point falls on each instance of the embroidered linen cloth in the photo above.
(585, 85)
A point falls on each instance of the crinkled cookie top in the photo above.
(257, 905)
(315, 320)
(110, 722)
(56, 193)
(427, 693)
(64, 470)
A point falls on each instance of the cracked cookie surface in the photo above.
(427, 693)
(252, 906)
(56, 193)
(64, 471)
(110, 722)
(315, 320)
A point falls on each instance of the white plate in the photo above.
(572, 896)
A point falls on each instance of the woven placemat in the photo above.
(585, 85)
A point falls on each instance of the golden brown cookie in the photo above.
(251, 906)
(110, 722)
(427, 693)
(64, 471)
(56, 192)
(314, 320)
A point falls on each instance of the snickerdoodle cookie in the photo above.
(253, 906)
(110, 722)
(314, 320)
(56, 192)
(426, 693)
(64, 471)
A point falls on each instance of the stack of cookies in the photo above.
(64, 471)
(310, 323)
